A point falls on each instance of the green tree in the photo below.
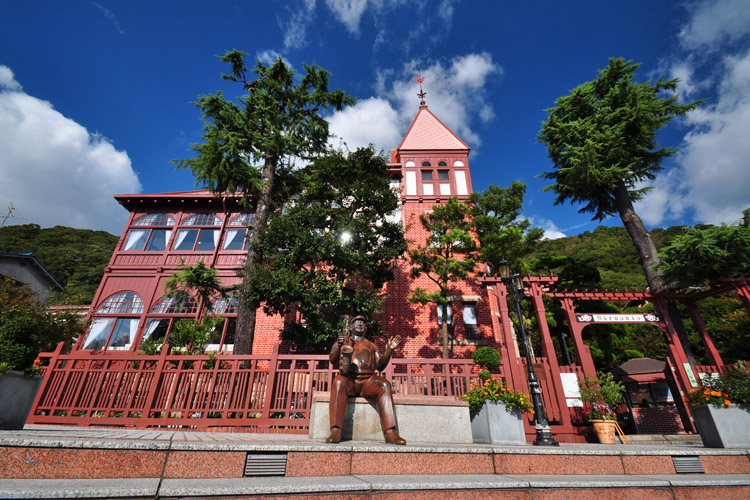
(449, 255)
(706, 254)
(249, 146)
(27, 328)
(602, 141)
(502, 236)
(331, 250)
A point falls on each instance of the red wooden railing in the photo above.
(265, 393)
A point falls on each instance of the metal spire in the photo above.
(420, 79)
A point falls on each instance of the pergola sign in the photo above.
(618, 318)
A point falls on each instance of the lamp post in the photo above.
(514, 283)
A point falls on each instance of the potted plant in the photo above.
(600, 395)
(496, 411)
(26, 329)
(721, 408)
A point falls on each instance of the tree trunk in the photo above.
(647, 252)
(246, 309)
(640, 236)
(444, 331)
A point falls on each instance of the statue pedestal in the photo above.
(419, 419)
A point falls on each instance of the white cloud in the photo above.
(295, 25)
(54, 171)
(372, 120)
(665, 201)
(348, 12)
(711, 179)
(111, 16)
(7, 80)
(551, 231)
(456, 93)
(715, 156)
(716, 21)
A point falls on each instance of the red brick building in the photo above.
(164, 230)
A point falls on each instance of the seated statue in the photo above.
(358, 359)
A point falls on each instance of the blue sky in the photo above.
(95, 95)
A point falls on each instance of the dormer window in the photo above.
(198, 238)
(149, 236)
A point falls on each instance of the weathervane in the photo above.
(420, 79)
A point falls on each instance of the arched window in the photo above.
(202, 235)
(239, 229)
(169, 310)
(150, 235)
(426, 164)
(224, 338)
(442, 164)
(115, 322)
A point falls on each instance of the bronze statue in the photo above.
(358, 359)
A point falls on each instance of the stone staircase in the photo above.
(54, 462)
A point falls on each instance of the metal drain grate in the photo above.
(688, 465)
(267, 464)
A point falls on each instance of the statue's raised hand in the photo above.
(393, 342)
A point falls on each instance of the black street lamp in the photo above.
(514, 283)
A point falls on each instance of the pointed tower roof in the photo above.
(428, 132)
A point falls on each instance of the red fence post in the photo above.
(153, 391)
(47, 379)
(271, 382)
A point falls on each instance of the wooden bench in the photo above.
(419, 419)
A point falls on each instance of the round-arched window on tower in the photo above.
(115, 323)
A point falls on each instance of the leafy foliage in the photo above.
(191, 336)
(75, 257)
(331, 250)
(604, 134)
(706, 254)
(450, 254)
(495, 213)
(196, 279)
(494, 389)
(600, 395)
(249, 146)
(26, 328)
(486, 356)
(602, 141)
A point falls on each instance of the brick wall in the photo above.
(661, 420)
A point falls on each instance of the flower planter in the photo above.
(605, 430)
(726, 427)
(495, 424)
(17, 394)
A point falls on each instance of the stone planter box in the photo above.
(494, 424)
(17, 394)
(727, 427)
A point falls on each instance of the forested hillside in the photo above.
(610, 250)
(75, 257)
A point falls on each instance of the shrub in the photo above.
(494, 389)
(732, 386)
(600, 395)
(486, 356)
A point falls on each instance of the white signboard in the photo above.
(617, 318)
(570, 388)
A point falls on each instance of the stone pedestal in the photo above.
(17, 395)
(494, 424)
(727, 427)
(419, 419)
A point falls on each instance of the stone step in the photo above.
(462, 486)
